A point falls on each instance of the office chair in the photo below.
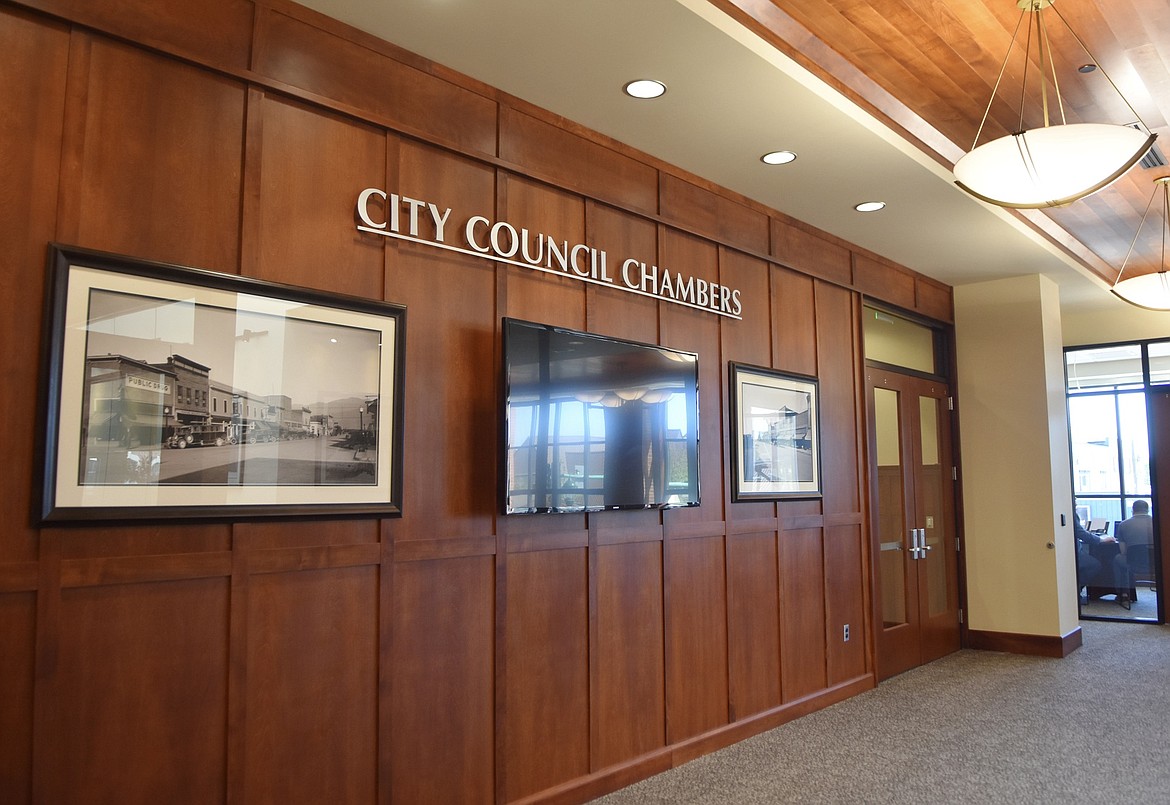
(1140, 561)
(1138, 565)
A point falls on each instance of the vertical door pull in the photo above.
(917, 543)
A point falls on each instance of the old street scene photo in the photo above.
(777, 444)
(182, 393)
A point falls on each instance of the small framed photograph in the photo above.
(173, 392)
(775, 434)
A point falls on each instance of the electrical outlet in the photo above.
(845, 633)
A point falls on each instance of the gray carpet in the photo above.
(974, 727)
(1145, 607)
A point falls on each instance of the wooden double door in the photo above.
(913, 521)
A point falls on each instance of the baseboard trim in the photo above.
(583, 789)
(1058, 646)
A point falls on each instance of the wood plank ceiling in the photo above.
(927, 67)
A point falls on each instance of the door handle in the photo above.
(918, 546)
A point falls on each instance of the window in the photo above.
(897, 341)
(1159, 355)
(1108, 431)
(1104, 367)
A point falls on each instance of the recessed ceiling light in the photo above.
(778, 157)
(870, 206)
(1086, 68)
(644, 88)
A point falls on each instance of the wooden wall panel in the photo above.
(837, 359)
(440, 682)
(138, 697)
(796, 247)
(312, 168)
(541, 532)
(452, 379)
(541, 210)
(696, 637)
(698, 209)
(799, 513)
(32, 95)
(794, 322)
(559, 155)
(884, 281)
(17, 624)
(802, 613)
(753, 624)
(141, 539)
(934, 300)
(696, 331)
(153, 155)
(450, 654)
(623, 237)
(296, 52)
(181, 26)
(629, 703)
(546, 718)
(748, 340)
(848, 591)
(312, 673)
(303, 533)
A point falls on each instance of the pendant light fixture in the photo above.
(1152, 290)
(1058, 162)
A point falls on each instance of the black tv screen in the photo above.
(595, 423)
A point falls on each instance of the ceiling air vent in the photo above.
(1154, 158)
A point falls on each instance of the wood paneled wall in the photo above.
(450, 655)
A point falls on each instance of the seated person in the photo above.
(1137, 530)
(1087, 565)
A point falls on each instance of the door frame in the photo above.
(1158, 429)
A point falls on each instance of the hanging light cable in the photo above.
(1152, 290)
(1056, 163)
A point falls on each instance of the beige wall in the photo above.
(1120, 322)
(1021, 574)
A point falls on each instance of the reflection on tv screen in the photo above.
(595, 423)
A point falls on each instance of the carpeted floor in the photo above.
(1145, 607)
(974, 727)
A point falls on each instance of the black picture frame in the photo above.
(172, 392)
(775, 434)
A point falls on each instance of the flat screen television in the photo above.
(594, 423)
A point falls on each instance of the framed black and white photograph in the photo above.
(174, 392)
(775, 435)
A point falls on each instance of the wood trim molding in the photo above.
(422, 550)
(674, 755)
(115, 570)
(1058, 646)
